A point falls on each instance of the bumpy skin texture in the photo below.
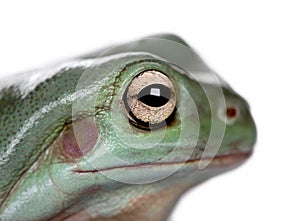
(46, 115)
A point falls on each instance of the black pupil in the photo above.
(155, 95)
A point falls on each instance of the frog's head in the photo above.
(141, 126)
(164, 122)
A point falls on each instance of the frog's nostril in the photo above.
(231, 112)
(229, 115)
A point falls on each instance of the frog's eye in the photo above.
(150, 99)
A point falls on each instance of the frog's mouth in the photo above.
(225, 161)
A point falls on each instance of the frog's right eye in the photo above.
(150, 99)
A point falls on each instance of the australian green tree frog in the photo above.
(118, 134)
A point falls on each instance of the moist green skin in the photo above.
(38, 182)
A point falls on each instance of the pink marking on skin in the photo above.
(79, 138)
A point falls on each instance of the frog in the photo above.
(118, 134)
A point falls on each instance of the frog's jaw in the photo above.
(138, 172)
(165, 193)
(139, 202)
(104, 197)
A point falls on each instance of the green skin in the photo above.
(111, 180)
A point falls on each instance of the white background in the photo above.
(254, 45)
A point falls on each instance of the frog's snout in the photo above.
(240, 132)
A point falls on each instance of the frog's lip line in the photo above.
(220, 160)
